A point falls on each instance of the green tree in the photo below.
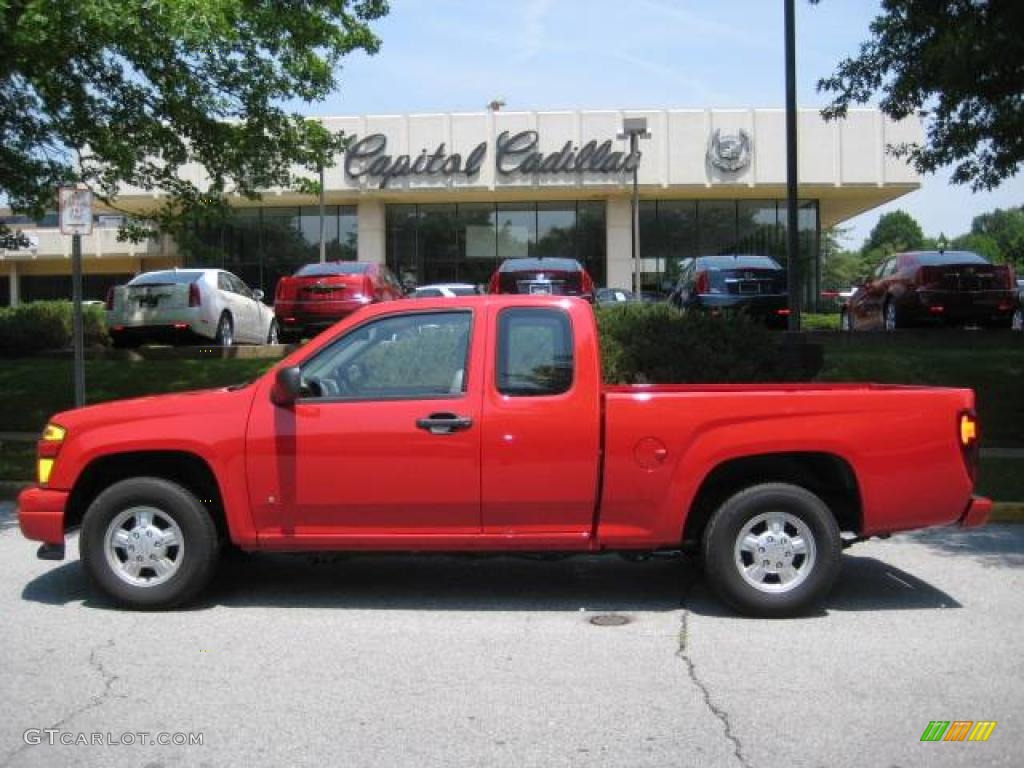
(1006, 229)
(895, 231)
(958, 62)
(121, 93)
(983, 245)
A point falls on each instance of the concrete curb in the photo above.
(1007, 512)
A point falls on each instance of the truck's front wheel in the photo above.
(148, 543)
(772, 550)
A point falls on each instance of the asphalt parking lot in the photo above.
(439, 661)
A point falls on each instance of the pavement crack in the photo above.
(683, 653)
(95, 701)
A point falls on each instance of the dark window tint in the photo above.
(534, 352)
(738, 262)
(533, 265)
(333, 268)
(949, 257)
(165, 278)
(426, 293)
(469, 290)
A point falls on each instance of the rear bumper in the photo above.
(294, 317)
(41, 514)
(977, 512)
(965, 306)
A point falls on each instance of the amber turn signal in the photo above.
(968, 429)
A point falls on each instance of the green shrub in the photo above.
(812, 322)
(655, 343)
(46, 325)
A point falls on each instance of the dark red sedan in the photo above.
(951, 287)
(318, 295)
(542, 276)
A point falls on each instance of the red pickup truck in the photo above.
(481, 423)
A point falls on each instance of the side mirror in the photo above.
(258, 294)
(287, 386)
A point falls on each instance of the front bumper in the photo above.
(977, 512)
(41, 514)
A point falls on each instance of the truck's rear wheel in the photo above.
(772, 550)
(148, 543)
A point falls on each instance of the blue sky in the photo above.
(457, 55)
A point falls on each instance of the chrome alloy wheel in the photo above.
(144, 546)
(775, 552)
(889, 316)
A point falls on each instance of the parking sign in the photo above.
(75, 204)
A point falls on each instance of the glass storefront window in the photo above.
(466, 242)
(716, 227)
(556, 230)
(261, 245)
(517, 229)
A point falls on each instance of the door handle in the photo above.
(444, 423)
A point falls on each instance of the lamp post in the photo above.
(792, 222)
(634, 129)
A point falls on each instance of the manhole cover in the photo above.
(609, 620)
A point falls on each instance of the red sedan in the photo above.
(318, 295)
(952, 287)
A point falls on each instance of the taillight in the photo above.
(46, 451)
(110, 299)
(368, 291)
(968, 435)
(1009, 279)
(493, 286)
(194, 299)
(702, 283)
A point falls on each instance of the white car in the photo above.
(444, 289)
(178, 304)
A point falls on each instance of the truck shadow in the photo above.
(454, 583)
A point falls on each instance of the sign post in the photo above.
(75, 205)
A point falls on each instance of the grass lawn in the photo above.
(32, 389)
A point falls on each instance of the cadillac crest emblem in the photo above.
(730, 152)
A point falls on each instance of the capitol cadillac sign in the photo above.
(514, 153)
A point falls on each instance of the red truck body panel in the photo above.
(591, 468)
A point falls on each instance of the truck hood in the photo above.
(155, 407)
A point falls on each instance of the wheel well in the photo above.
(824, 474)
(185, 469)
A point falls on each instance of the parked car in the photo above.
(755, 285)
(318, 295)
(189, 304)
(542, 276)
(444, 289)
(493, 411)
(606, 296)
(949, 287)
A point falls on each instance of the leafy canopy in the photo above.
(961, 63)
(895, 231)
(126, 92)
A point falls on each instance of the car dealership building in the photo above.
(446, 197)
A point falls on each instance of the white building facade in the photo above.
(443, 197)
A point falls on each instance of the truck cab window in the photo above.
(535, 352)
(411, 356)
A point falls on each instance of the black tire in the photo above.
(198, 551)
(845, 321)
(225, 331)
(890, 316)
(721, 543)
(274, 333)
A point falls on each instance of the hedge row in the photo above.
(639, 342)
(654, 343)
(46, 325)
